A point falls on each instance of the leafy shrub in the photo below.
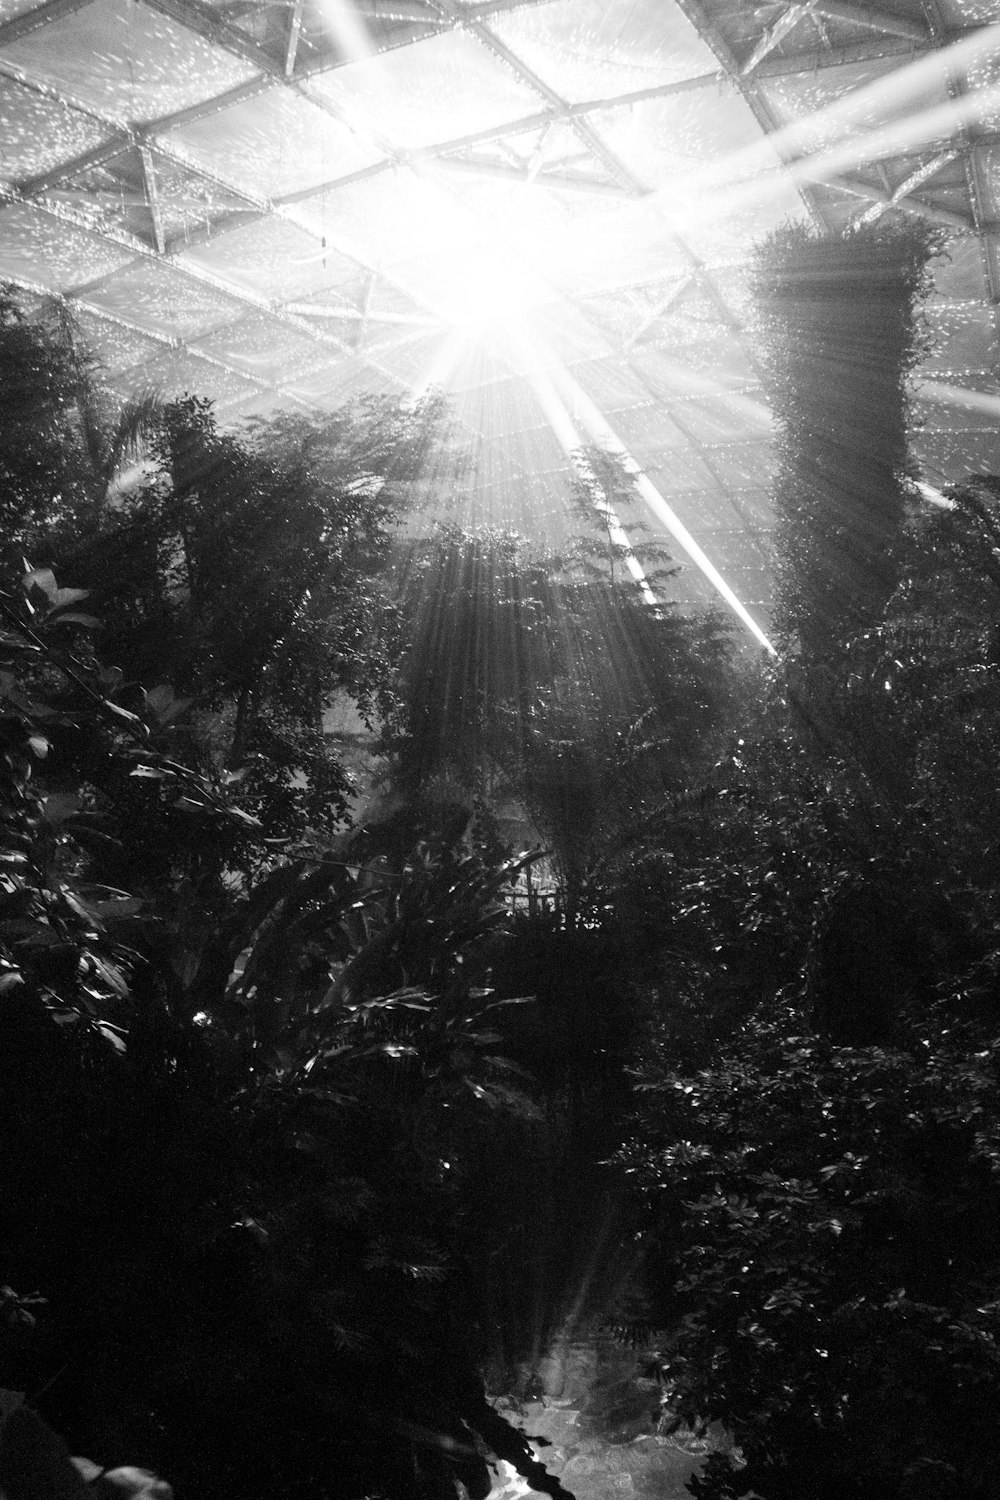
(825, 1256)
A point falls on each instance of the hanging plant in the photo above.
(837, 338)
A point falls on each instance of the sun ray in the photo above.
(602, 433)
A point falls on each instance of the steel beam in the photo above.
(874, 19)
(42, 15)
(861, 189)
(30, 187)
(205, 22)
(152, 199)
(818, 59)
(901, 195)
(294, 32)
(662, 308)
(493, 172)
(399, 10)
(776, 32)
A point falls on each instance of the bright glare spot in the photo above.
(933, 496)
(487, 294)
(509, 1484)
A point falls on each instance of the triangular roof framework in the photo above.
(271, 202)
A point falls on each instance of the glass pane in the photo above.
(46, 251)
(272, 259)
(115, 347)
(274, 144)
(164, 300)
(437, 90)
(597, 49)
(36, 133)
(858, 96)
(127, 61)
(263, 347)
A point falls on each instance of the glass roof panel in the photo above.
(263, 348)
(612, 384)
(50, 252)
(733, 551)
(113, 196)
(552, 146)
(662, 139)
(275, 144)
(707, 362)
(11, 8)
(958, 274)
(36, 132)
(160, 298)
(116, 347)
(126, 61)
(943, 455)
(632, 247)
(450, 286)
(173, 376)
(588, 49)
(961, 13)
(434, 91)
(337, 384)
(271, 258)
(860, 90)
(724, 418)
(526, 214)
(960, 339)
(740, 465)
(187, 201)
(721, 237)
(650, 429)
(390, 217)
(942, 405)
(980, 77)
(321, 226)
(685, 472)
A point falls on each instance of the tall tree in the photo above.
(243, 570)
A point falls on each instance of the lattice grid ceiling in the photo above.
(544, 206)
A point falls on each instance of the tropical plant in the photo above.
(817, 1119)
(239, 1175)
(824, 1256)
(64, 439)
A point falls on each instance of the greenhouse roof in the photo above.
(544, 207)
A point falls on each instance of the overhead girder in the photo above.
(41, 15)
(975, 183)
(199, 275)
(887, 35)
(494, 172)
(152, 198)
(558, 108)
(884, 199)
(292, 37)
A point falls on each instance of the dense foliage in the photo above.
(817, 1133)
(307, 1127)
(245, 1098)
